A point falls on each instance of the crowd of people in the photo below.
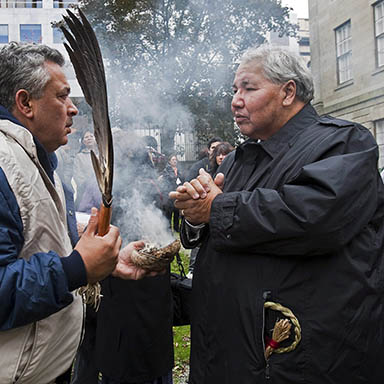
(291, 219)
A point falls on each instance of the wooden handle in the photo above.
(104, 220)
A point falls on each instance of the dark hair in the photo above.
(82, 145)
(213, 140)
(203, 154)
(221, 149)
(172, 155)
(22, 66)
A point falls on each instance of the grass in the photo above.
(181, 335)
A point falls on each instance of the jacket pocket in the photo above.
(26, 353)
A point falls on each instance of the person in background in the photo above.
(40, 263)
(218, 155)
(192, 174)
(171, 178)
(134, 339)
(204, 162)
(295, 218)
(65, 160)
(83, 173)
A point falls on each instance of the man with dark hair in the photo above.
(40, 317)
(204, 162)
(292, 228)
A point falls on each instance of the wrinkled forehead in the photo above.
(249, 70)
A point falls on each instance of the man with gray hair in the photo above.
(292, 228)
(40, 317)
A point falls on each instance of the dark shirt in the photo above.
(195, 167)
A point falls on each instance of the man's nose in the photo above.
(72, 109)
(237, 100)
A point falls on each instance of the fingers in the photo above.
(138, 244)
(205, 179)
(195, 189)
(93, 222)
(219, 180)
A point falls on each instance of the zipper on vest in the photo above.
(266, 297)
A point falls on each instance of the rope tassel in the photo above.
(282, 330)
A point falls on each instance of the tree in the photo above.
(171, 62)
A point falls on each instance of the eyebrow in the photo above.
(242, 84)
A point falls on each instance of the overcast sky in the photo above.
(299, 6)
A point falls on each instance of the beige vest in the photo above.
(37, 353)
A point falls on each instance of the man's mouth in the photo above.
(240, 119)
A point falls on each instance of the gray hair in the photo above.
(280, 66)
(22, 67)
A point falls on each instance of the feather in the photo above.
(85, 55)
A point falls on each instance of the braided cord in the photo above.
(289, 314)
(91, 295)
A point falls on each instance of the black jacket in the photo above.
(134, 340)
(301, 223)
(193, 171)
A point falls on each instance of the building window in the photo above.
(379, 133)
(379, 33)
(63, 3)
(32, 3)
(3, 33)
(21, 3)
(344, 52)
(30, 33)
(58, 36)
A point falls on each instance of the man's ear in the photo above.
(23, 103)
(289, 93)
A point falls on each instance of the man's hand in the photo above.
(99, 253)
(125, 269)
(194, 198)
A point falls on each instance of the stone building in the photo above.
(347, 61)
(30, 21)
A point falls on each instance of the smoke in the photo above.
(138, 193)
(152, 224)
(143, 220)
(165, 75)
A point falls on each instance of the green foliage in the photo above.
(184, 52)
(181, 335)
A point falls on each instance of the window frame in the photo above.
(39, 40)
(379, 36)
(64, 3)
(4, 42)
(379, 134)
(345, 57)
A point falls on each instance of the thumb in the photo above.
(205, 179)
(203, 172)
(93, 222)
(219, 180)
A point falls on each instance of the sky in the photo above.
(299, 6)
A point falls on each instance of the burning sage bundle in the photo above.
(155, 258)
